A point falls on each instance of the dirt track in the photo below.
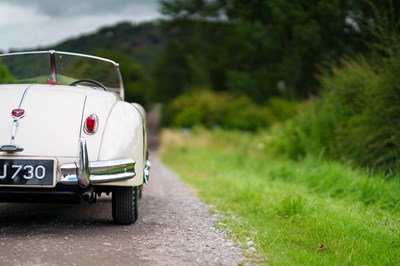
(174, 228)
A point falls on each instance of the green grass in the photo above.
(310, 212)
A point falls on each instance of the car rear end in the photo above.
(63, 143)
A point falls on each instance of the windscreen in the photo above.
(62, 68)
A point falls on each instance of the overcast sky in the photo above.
(30, 23)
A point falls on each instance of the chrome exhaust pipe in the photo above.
(88, 195)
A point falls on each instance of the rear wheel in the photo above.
(125, 205)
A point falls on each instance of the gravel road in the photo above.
(174, 228)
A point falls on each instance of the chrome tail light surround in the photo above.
(89, 128)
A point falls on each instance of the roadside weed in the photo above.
(308, 212)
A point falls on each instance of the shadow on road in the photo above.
(25, 215)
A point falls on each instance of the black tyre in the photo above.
(125, 205)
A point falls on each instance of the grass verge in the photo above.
(310, 212)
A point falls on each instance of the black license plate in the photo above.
(26, 172)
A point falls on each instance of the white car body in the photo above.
(44, 121)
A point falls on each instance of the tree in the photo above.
(135, 81)
(261, 48)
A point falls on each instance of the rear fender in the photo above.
(123, 137)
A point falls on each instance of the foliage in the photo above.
(349, 122)
(135, 80)
(188, 61)
(198, 108)
(5, 74)
(242, 113)
(262, 49)
(311, 212)
(356, 118)
(211, 109)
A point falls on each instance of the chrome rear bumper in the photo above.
(95, 172)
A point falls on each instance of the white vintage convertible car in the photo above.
(66, 133)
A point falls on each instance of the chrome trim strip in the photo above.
(97, 179)
(100, 171)
(15, 123)
(61, 52)
(83, 169)
(11, 148)
(53, 65)
(23, 96)
(146, 171)
(112, 167)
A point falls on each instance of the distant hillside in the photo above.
(141, 42)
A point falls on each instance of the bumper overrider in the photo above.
(85, 173)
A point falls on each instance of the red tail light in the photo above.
(91, 124)
(18, 113)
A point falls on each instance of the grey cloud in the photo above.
(27, 23)
(88, 7)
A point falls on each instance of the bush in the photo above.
(355, 120)
(216, 109)
(242, 113)
(197, 108)
(308, 132)
(280, 109)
